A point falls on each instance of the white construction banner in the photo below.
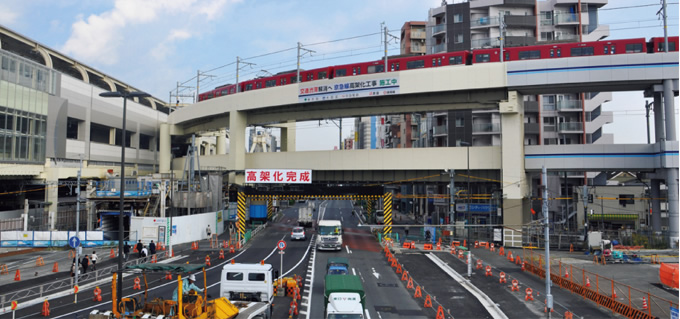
(348, 89)
(279, 176)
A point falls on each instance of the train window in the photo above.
(224, 92)
(507, 56)
(356, 71)
(455, 60)
(583, 51)
(322, 75)
(210, 96)
(293, 79)
(310, 77)
(258, 85)
(533, 54)
(249, 86)
(482, 58)
(283, 81)
(671, 46)
(634, 48)
(434, 62)
(606, 49)
(559, 53)
(394, 67)
(417, 64)
(439, 61)
(552, 53)
(270, 83)
(340, 72)
(376, 68)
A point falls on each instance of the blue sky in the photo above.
(154, 44)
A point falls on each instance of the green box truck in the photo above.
(345, 297)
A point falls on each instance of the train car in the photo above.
(657, 44)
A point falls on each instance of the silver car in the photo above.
(298, 233)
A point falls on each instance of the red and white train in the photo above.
(546, 51)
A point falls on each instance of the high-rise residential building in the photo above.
(413, 38)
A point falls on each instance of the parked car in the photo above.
(298, 233)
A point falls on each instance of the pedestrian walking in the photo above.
(85, 262)
(139, 248)
(93, 258)
(406, 231)
(126, 250)
(152, 248)
(144, 253)
(208, 231)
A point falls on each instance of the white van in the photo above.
(247, 282)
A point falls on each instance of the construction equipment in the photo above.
(191, 304)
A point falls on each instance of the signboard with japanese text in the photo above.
(279, 176)
(348, 89)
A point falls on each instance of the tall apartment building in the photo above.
(413, 38)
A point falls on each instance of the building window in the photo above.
(145, 142)
(457, 18)
(625, 199)
(72, 128)
(459, 38)
(460, 121)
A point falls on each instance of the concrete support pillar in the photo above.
(671, 172)
(516, 210)
(288, 137)
(164, 156)
(659, 127)
(52, 197)
(237, 145)
(655, 193)
(221, 146)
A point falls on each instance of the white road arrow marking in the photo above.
(376, 274)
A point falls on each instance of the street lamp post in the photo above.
(121, 232)
(469, 245)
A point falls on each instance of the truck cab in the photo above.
(344, 296)
(248, 285)
(329, 235)
(337, 266)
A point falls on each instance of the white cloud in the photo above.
(137, 26)
(7, 15)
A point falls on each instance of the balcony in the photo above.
(515, 41)
(484, 22)
(570, 127)
(438, 29)
(518, 21)
(439, 48)
(418, 35)
(532, 128)
(530, 106)
(485, 43)
(565, 18)
(486, 128)
(439, 130)
(569, 106)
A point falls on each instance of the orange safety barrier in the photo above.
(207, 260)
(409, 285)
(112, 254)
(418, 293)
(71, 254)
(3, 269)
(455, 243)
(502, 280)
(231, 249)
(404, 275)
(668, 275)
(168, 275)
(55, 267)
(518, 260)
(488, 271)
(479, 264)
(568, 315)
(515, 285)
(97, 294)
(440, 312)
(427, 246)
(387, 250)
(595, 259)
(529, 294)
(465, 243)
(407, 245)
(17, 275)
(46, 308)
(221, 254)
(428, 302)
(39, 262)
(571, 248)
(137, 285)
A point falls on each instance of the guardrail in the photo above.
(54, 286)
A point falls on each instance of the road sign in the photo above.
(281, 245)
(75, 289)
(74, 242)
(14, 305)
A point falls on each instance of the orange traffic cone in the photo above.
(566, 273)
(207, 260)
(418, 293)
(428, 302)
(112, 254)
(137, 285)
(221, 254)
(168, 275)
(46, 308)
(17, 276)
(55, 268)
(440, 312)
(644, 303)
(587, 282)
(97, 294)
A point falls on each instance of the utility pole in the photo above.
(647, 108)
(299, 47)
(452, 193)
(78, 223)
(585, 212)
(501, 26)
(238, 67)
(546, 223)
(177, 95)
(385, 41)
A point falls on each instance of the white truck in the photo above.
(250, 288)
(329, 235)
(344, 297)
(305, 216)
(596, 243)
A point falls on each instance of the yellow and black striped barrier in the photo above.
(241, 212)
(270, 208)
(387, 205)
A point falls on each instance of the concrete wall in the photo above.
(186, 228)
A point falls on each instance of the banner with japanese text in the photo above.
(279, 176)
(348, 88)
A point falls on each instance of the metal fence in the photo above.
(12, 224)
(619, 297)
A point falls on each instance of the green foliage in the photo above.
(639, 240)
